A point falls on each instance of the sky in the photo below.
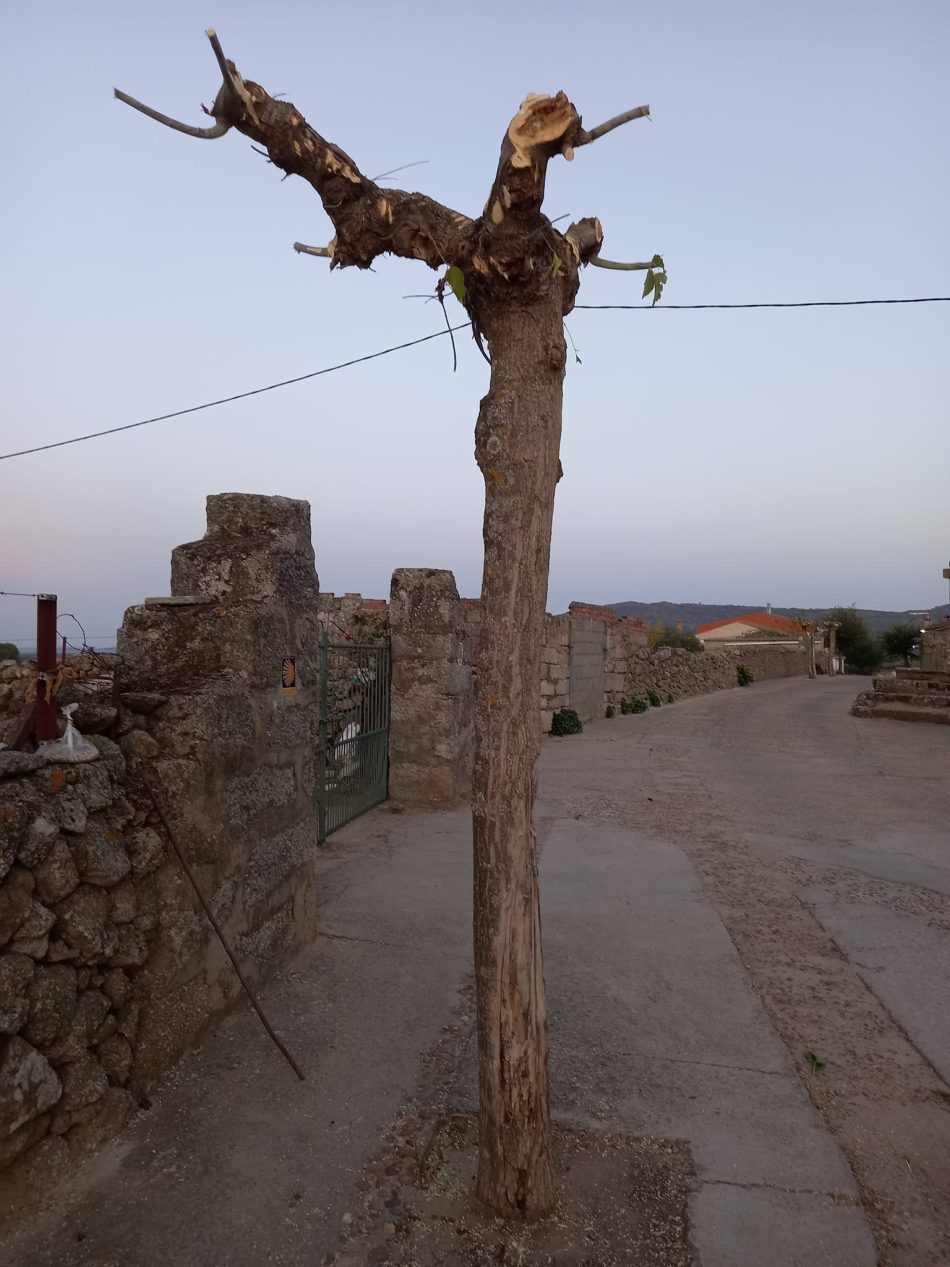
(796, 152)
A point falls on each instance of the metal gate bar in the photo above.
(353, 755)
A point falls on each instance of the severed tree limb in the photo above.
(542, 128)
(369, 221)
(585, 238)
(324, 252)
(234, 87)
(594, 134)
(627, 268)
(205, 134)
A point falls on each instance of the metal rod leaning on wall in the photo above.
(150, 787)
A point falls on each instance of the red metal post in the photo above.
(45, 663)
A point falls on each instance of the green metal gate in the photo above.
(353, 756)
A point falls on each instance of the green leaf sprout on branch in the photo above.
(656, 279)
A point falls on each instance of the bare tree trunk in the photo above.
(517, 440)
(517, 276)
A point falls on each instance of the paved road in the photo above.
(823, 842)
(728, 883)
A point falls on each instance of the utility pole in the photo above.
(45, 665)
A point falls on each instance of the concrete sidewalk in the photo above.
(654, 1029)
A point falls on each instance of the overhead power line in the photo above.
(226, 400)
(399, 347)
(810, 303)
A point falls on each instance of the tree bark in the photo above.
(517, 441)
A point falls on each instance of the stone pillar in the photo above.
(430, 748)
(231, 743)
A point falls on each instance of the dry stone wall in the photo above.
(108, 967)
(675, 673)
(82, 884)
(785, 660)
(18, 682)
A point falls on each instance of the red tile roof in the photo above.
(758, 620)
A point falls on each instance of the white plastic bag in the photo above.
(72, 747)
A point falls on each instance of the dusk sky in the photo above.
(796, 152)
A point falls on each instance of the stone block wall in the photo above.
(935, 648)
(108, 966)
(430, 736)
(232, 751)
(555, 668)
(783, 660)
(588, 654)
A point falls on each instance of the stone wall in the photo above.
(555, 668)
(591, 659)
(353, 618)
(18, 682)
(675, 673)
(783, 660)
(588, 654)
(935, 648)
(83, 886)
(430, 736)
(108, 966)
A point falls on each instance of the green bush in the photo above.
(899, 642)
(744, 675)
(610, 710)
(9, 651)
(862, 652)
(566, 722)
(668, 636)
(634, 705)
(654, 699)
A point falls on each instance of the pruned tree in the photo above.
(517, 277)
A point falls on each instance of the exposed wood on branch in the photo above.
(640, 267)
(594, 134)
(323, 251)
(585, 237)
(542, 128)
(233, 83)
(369, 220)
(205, 134)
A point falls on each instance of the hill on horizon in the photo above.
(694, 614)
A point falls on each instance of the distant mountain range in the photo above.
(694, 614)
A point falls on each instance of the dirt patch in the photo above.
(622, 1200)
